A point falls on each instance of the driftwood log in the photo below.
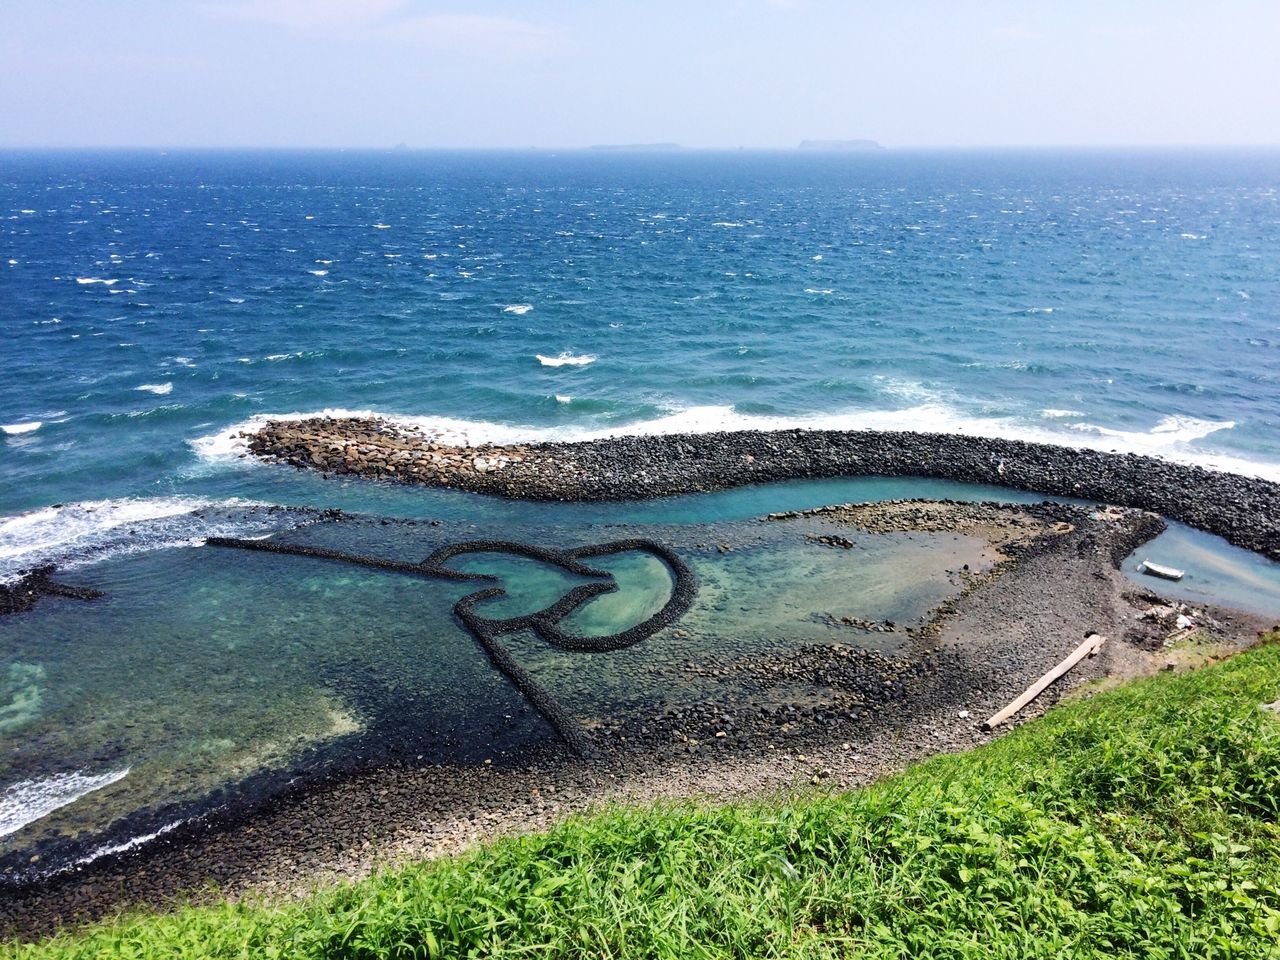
(1092, 644)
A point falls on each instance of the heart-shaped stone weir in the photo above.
(546, 621)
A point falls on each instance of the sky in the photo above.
(702, 73)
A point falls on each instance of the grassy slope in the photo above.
(1142, 823)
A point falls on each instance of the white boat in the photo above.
(1157, 570)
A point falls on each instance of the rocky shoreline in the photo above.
(831, 715)
(34, 585)
(1243, 510)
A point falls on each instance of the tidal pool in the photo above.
(204, 670)
(1215, 571)
(210, 677)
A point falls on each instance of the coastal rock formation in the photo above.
(378, 449)
(24, 593)
(546, 623)
(1244, 510)
(750, 720)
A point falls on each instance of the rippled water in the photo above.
(152, 300)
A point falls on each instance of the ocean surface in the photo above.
(151, 302)
(152, 305)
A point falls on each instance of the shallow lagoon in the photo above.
(204, 666)
(206, 669)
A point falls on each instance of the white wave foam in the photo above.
(1053, 413)
(160, 389)
(13, 429)
(1170, 438)
(382, 226)
(708, 419)
(820, 290)
(518, 308)
(563, 398)
(728, 223)
(1169, 431)
(85, 281)
(77, 533)
(566, 359)
(276, 357)
(27, 801)
(318, 273)
(131, 844)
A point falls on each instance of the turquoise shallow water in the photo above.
(203, 667)
(1216, 572)
(151, 305)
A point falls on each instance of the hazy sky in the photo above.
(708, 73)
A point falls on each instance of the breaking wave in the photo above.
(27, 801)
(73, 534)
(566, 359)
(131, 844)
(13, 429)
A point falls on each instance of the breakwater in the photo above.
(1243, 510)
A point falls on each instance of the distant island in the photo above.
(635, 146)
(839, 145)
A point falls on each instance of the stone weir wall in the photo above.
(1244, 510)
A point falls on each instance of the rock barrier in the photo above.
(1243, 510)
(546, 623)
(24, 593)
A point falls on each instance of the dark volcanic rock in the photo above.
(746, 723)
(25, 593)
(1244, 510)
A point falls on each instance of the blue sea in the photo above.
(153, 305)
(152, 302)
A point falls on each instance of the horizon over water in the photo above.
(155, 303)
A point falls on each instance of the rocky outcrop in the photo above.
(24, 593)
(376, 448)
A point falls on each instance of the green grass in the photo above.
(1139, 823)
